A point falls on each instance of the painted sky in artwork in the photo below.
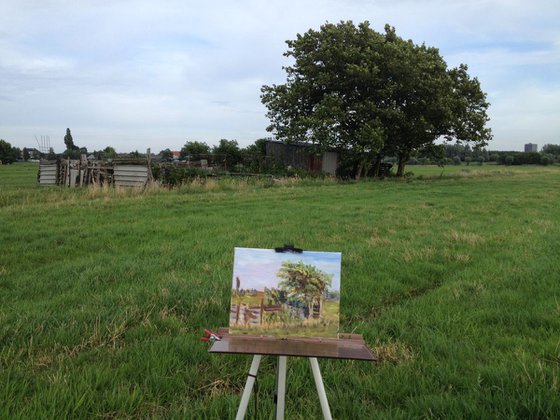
(257, 268)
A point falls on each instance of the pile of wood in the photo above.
(82, 172)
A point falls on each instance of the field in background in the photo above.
(452, 278)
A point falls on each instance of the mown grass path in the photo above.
(453, 280)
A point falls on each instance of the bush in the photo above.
(172, 175)
(546, 160)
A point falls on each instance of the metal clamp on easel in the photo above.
(288, 248)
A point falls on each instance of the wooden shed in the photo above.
(302, 156)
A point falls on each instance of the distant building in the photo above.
(531, 147)
(302, 156)
(176, 154)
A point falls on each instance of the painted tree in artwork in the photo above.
(306, 281)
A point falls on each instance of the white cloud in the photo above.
(136, 74)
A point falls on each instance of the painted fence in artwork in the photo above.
(253, 315)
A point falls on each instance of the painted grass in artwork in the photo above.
(452, 280)
(282, 323)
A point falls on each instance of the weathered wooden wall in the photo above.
(130, 175)
(302, 156)
(48, 174)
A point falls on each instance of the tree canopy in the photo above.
(195, 150)
(553, 149)
(304, 281)
(227, 153)
(8, 154)
(69, 141)
(372, 95)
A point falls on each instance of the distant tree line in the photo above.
(458, 154)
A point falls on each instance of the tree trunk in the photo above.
(402, 164)
(362, 169)
(377, 167)
(359, 172)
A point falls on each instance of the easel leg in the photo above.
(248, 387)
(320, 388)
(281, 388)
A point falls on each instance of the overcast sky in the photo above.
(136, 74)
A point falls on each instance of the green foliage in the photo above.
(166, 155)
(109, 152)
(253, 158)
(227, 154)
(8, 154)
(68, 140)
(51, 155)
(195, 150)
(552, 149)
(522, 158)
(373, 95)
(172, 175)
(304, 282)
(547, 159)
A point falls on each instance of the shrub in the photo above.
(172, 175)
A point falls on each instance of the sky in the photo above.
(138, 74)
(257, 268)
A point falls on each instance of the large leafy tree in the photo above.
(330, 97)
(305, 281)
(373, 94)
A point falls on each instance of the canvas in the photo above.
(285, 294)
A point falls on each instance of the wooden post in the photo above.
(149, 161)
(83, 169)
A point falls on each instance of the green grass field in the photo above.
(453, 278)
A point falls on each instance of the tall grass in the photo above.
(453, 281)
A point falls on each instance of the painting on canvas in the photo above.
(285, 294)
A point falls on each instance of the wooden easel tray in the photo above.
(347, 346)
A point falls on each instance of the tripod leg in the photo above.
(281, 388)
(320, 388)
(248, 387)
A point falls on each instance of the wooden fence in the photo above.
(253, 314)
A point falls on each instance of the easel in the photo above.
(348, 346)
